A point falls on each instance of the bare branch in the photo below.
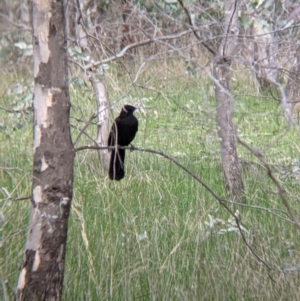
(250, 248)
(221, 201)
(85, 126)
(19, 25)
(18, 199)
(135, 45)
(232, 22)
(206, 45)
(281, 191)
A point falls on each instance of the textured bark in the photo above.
(41, 275)
(230, 161)
(222, 62)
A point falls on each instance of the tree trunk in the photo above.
(292, 88)
(222, 63)
(41, 276)
(103, 121)
(230, 161)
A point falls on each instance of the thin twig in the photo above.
(84, 128)
(19, 25)
(281, 191)
(229, 27)
(206, 45)
(221, 201)
(250, 248)
(84, 132)
(18, 199)
(9, 288)
(135, 45)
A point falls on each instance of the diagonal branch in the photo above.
(221, 201)
(206, 45)
(162, 154)
(281, 191)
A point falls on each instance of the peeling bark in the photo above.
(41, 275)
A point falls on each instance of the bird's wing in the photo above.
(112, 135)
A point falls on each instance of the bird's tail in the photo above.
(116, 165)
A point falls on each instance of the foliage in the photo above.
(18, 104)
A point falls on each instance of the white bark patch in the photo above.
(43, 99)
(37, 194)
(35, 232)
(44, 164)
(37, 261)
(37, 136)
(50, 229)
(22, 279)
(41, 9)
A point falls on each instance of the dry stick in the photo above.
(11, 110)
(281, 191)
(19, 199)
(85, 126)
(84, 133)
(23, 198)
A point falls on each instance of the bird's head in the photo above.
(128, 109)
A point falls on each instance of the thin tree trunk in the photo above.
(41, 276)
(222, 63)
(292, 88)
(230, 161)
(103, 121)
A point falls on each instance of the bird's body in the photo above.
(122, 133)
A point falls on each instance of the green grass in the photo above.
(147, 237)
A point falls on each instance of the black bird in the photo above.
(122, 133)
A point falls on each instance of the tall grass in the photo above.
(158, 234)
